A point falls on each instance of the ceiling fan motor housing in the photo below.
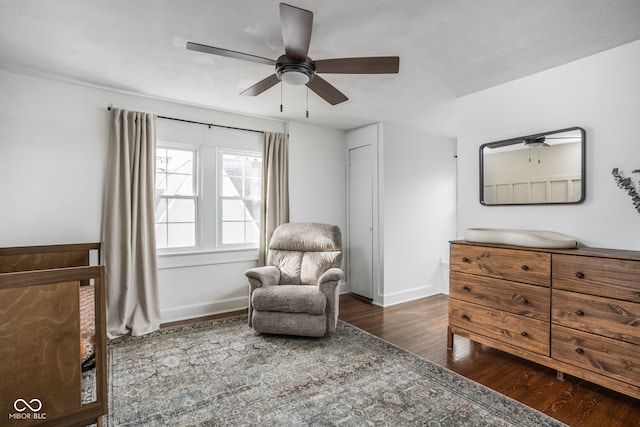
(294, 71)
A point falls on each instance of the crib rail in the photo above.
(40, 335)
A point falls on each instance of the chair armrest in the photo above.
(331, 275)
(328, 284)
(268, 275)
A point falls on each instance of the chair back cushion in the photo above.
(303, 251)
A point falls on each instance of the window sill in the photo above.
(201, 258)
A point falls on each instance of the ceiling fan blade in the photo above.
(228, 53)
(365, 65)
(261, 86)
(501, 144)
(326, 91)
(296, 30)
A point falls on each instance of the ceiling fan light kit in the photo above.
(294, 72)
(296, 68)
(535, 142)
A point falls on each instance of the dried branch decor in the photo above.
(628, 185)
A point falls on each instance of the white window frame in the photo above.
(220, 152)
(207, 141)
(197, 196)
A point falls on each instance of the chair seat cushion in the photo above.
(289, 299)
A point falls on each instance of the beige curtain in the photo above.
(275, 188)
(128, 232)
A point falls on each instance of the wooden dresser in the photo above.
(573, 310)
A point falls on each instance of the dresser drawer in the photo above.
(509, 264)
(613, 358)
(615, 278)
(603, 316)
(518, 298)
(522, 332)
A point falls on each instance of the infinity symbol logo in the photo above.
(37, 405)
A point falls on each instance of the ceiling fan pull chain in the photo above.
(307, 102)
(281, 97)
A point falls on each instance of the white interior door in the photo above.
(361, 221)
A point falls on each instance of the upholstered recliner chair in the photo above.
(296, 293)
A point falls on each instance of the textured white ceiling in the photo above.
(447, 48)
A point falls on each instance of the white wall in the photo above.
(53, 145)
(52, 161)
(598, 93)
(317, 182)
(418, 212)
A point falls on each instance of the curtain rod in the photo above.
(205, 124)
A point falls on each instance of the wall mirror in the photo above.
(545, 168)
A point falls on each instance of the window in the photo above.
(239, 197)
(176, 201)
(208, 185)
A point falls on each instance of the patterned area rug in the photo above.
(221, 373)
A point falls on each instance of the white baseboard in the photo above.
(343, 288)
(409, 295)
(194, 311)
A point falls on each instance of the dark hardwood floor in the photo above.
(421, 327)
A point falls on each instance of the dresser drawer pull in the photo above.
(579, 350)
(466, 288)
(525, 268)
(465, 316)
(580, 275)
(579, 312)
(465, 259)
(524, 334)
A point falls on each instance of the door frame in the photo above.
(355, 138)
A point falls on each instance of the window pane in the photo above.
(175, 172)
(231, 186)
(161, 210)
(181, 210)
(161, 160)
(161, 236)
(179, 161)
(241, 175)
(161, 183)
(175, 217)
(233, 210)
(252, 209)
(231, 165)
(178, 184)
(181, 235)
(232, 233)
(253, 166)
(252, 187)
(252, 231)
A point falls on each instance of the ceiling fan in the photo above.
(529, 142)
(296, 68)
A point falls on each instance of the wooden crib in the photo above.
(44, 343)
